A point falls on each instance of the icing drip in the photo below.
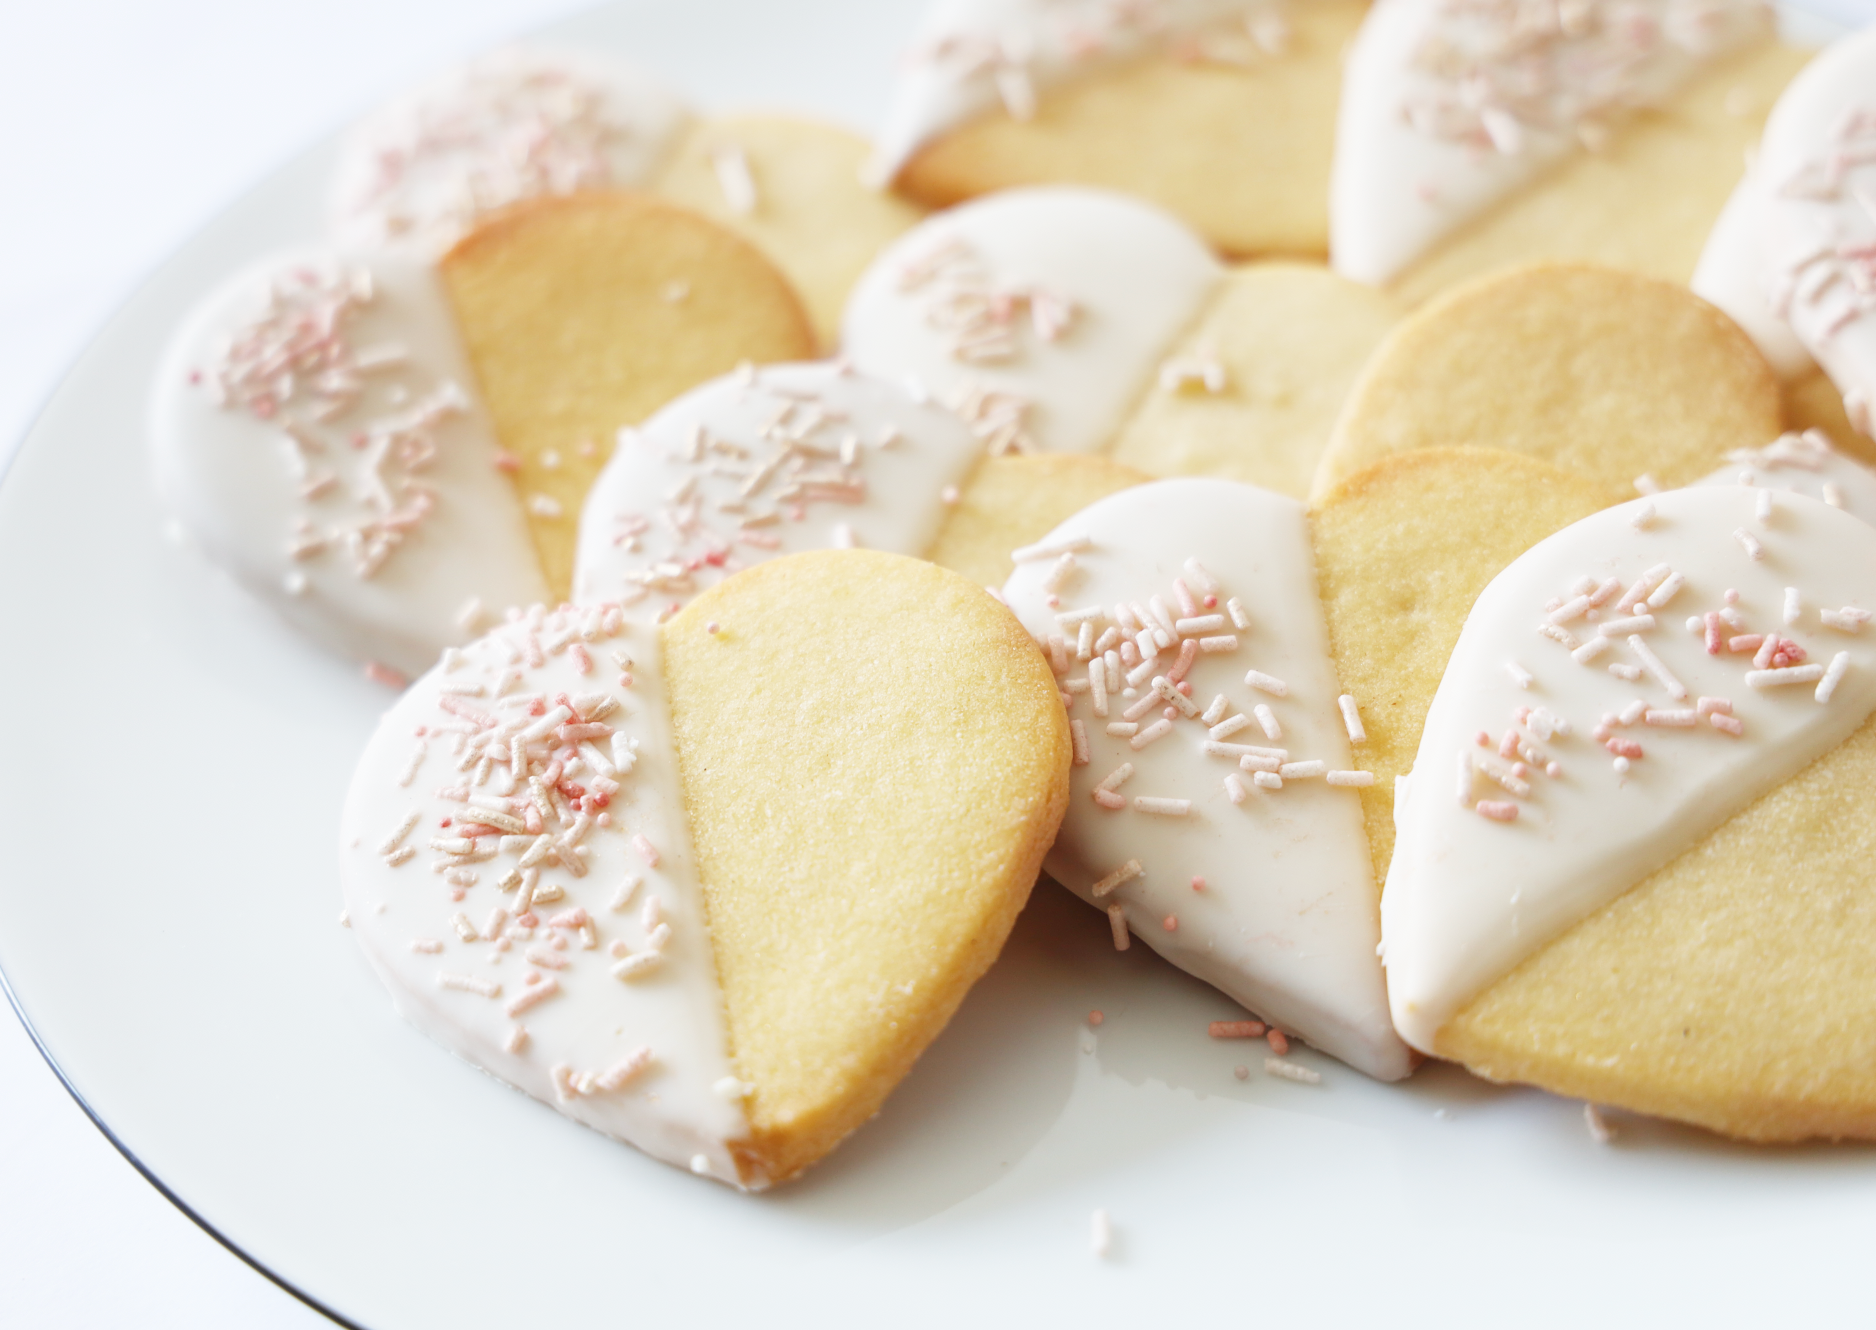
(759, 464)
(514, 125)
(1448, 105)
(1211, 810)
(1818, 169)
(1691, 651)
(1038, 315)
(974, 57)
(517, 867)
(314, 430)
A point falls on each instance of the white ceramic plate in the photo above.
(168, 929)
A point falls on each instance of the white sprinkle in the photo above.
(1057, 576)
(1075, 618)
(1591, 649)
(1652, 663)
(1266, 683)
(1833, 494)
(734, 178)
(625, 1071)
(1621, 766)
(1199, 625)
(1845, 620)
(1268, 719)
(1302, 770)
(1217, 749)
(1839, 666)
(1216, 711)
(396, 838)
(1682, 717)
(1519, 675)
(1639, 589)
(1644, 517)
(1117, 924)
(1159, 729)
(1127, 872)
(1599, 1130)
(1666, 591)
(1624, 671)
(1100, 1234)
(1351, 719)
(1567, 611)
(1633, 712)
(1122, 729)
(1465, 780)
(1049, 549)
(1290, 1071)
(1648, 485)
(468, 983)
(1239, 619)
(1355, 779)
(533, 996)
(1224, 729)
(1235, 789)
(1794, 605)
(1788, 675)
(1078, 734)
(1750, 543)
(1695, 624)
(1764, 508)
(1162, 807)
(1206, 583)
(1267, 780)
(1639, 623)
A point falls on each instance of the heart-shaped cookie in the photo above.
(1629, 861)
(1215, 809)
(764, 462)
(422, 171)
(1606, 374)
(584, 855)
(1075, 320)
(1221, 111)
(1459, 145)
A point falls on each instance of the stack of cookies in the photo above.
(1369, 499)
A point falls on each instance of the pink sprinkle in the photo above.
(1236, 1029)
(1508, 746)
(1211, 602)
(646, 848)
(1278, 1044)
(384, 674)
(1171, 923)
(1109, 800)
(1727, 724)
(507, 462)
(581, 661)
(1623, 747)
(1095, 1017)
(711, 627)
(1198, 883)
(1499, 810)
(1484, 740)
(1714, 640)
(1767, 649)
(1188, 652)
(534, 996)
(1745, 642)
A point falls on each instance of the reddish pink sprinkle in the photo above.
(1095, 1017)
(1188, 652)
(384, 674)
(1714, 640)
(1198, 883)
(1236, 1029)
(507, 462)
(1278, 1044)
(1108, 799)
(1508, 746)
(455, 893)
(1171, 923)
(1728, 724)
(1499, 810)
(1211, 602)
(1623, 747)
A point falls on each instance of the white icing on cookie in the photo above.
(1818, 168)
(418, 173)
(1731, 275)
(622, 1028)
(315, 429)
(1497, 853)
(1223, 578)
(1040, 315)
(973, 57)
(1450, 105)
(763, 463)
(1803, 464)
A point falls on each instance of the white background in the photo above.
(123, 127)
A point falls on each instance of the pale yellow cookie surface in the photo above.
(1240, 153)
(1644, 202)
(874, 760)
(1014, 501)
(1290, 340)
(1733, 988)
(1605, 374)
(588, 312)
(1402, 551)
(807, 211)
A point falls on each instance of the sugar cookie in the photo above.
(1402, 551)
(1014, 501)
(316, 429)
(765, 462)
(792, 187)
(1449, 108)
(1253, 388)
(719, 939)
(1221, 111)
(1227, 832)
(1606, 374)
(1587, 907)
(587, 312)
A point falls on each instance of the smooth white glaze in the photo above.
(1286, 920)
(685, 1105)
(1450, 105)
(1804, 464)
(1731, 275)
(1468, 897)
(241, 436)
(416, 174)
(1818, 167)
(972, 57)
(762, 463)
(1039, 314)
